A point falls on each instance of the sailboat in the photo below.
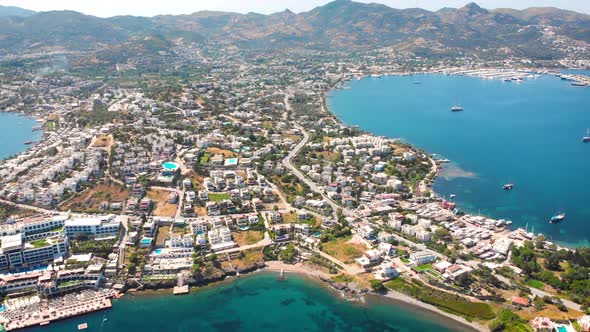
(586, 137)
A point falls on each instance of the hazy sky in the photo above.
(107, 8)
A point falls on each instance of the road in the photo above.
(28, 207)
(287, 162)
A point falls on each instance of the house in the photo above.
(442, 266)
(370, 258)
(584, 323)
(454, 271)
(422, 257)
(386, 249)
(520, 301)
(366, 232)
(386, 271)
(541, 324)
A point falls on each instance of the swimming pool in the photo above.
(158, 251)
(170, 165)
(561, 328)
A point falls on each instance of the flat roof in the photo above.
(12, 241)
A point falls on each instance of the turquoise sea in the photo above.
(529, 134)
(255, 303)
(15, 130)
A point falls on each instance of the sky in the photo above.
(106, 8)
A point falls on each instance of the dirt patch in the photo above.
(245, 238)
(196, 180)
(162, 207)
(549, 311)
(343, 249)
(225, 153)
(248, 258)
(102, 141)
(328, 155)
(163, 233)
(91, 199)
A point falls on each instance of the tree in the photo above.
(288, 255)
(497, 325)
(377, 286)
(552, 261)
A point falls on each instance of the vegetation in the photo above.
(342, 249)
(218, 197)
(445, 301)
(39, 243)
(288, 254)
(509, 322)
(98, 248)
(573, 281)
(377, 286)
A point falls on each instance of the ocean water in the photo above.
(529, 134)
(255, 303)
(15, 130)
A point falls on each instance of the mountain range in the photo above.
(538, 33)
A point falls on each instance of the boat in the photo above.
(82, 326)
(586, 137)
(453, 196)
(28, 142)
(508, 186)
(557, 218)
(456, 109)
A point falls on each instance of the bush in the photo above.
(377, 286)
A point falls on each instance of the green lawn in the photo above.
(535, 283)
(218, 197)
(205, 158)
(39, 243)
(447, 302)
(422, 268)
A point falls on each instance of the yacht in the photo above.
(557, 218)
(508, 186)
(456, 109)
(586, 137)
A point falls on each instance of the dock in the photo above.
(181, 290)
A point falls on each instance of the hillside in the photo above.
(341, 24)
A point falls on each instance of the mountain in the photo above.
(15, 11)
(540, 33)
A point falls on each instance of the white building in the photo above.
(94, 227)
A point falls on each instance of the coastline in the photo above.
(393, 297)
(39, 121)
(556, 73)
(360, 297)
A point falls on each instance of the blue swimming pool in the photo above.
(170, 165)
(158, 251)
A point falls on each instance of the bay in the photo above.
(529, 134)
(15, 130)
(257, 302)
